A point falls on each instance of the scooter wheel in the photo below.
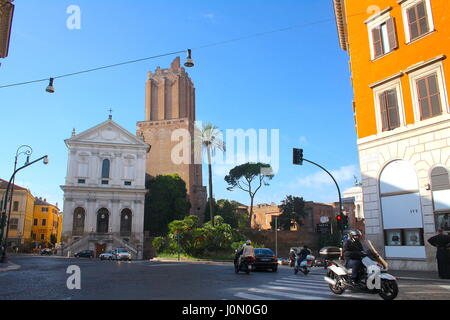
(389, 289)
(295, 270)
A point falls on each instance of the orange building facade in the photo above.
(401, 76)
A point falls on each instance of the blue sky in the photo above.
(296, 81)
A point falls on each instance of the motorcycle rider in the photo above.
(303, 254)
(292, 255)
(353, 254)
(246, 251)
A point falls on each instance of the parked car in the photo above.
(84, 254)
(46, 251)
(106, 256)
(283, 261)
(121, 254)
(265, 259)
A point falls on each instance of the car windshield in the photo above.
(122, 250)
(263, 252)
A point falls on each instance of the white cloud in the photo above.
(303, 141)
(209, 16)
(321, 178)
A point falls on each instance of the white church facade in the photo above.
(104, 191)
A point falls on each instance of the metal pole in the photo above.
(178, 241)
(276, 236)
(4, 240)
(337, 186)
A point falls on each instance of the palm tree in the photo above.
(210, 138)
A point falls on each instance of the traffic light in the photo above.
(345, 222)
(340, 220)
(298, 156)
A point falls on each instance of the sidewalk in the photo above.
(418, 275)
(9, 266)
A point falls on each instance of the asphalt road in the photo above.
(46, 278)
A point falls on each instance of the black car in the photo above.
(265, 259)
(84, 254)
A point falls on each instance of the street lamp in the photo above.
(4, 217)
(27, 150)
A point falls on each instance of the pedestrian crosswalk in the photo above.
(300, 287)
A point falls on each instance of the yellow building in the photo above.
(401, 75)
(47, 223)
(21, 218)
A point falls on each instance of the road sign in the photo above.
(323, 228)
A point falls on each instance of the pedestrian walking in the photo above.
(442, 242)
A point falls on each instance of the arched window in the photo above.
(125, 223)
(102, 220)
(78, 221)
(440, 188)
(105, 169)
(401, 211)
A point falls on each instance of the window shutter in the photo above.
(384, 116)
(393, 110)
(392, 34)
(377, 42)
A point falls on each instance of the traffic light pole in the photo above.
(337, 186)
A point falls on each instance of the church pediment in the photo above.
(107, 132)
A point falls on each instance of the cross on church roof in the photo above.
(110, 113)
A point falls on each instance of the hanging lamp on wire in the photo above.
(50, 88)
(189, 62)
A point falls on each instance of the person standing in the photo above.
(442, 242)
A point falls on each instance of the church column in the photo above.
(68, 210)
(115, 216)
(90, 223)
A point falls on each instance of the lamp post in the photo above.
(28, 151)
(4, 217)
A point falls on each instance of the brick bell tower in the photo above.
(170, 106)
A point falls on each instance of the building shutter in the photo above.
(384, 114)
(392, 34)
(377, 42)
(392, 109)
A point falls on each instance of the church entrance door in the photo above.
(99, 249)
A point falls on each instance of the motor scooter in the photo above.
(305, 265)
(373, 276)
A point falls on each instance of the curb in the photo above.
(423, 279)
(192, 261)
(11, 266)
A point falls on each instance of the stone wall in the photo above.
(286, 240)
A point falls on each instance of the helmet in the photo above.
(248, 242)
(355, 233)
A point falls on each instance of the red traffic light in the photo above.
(338, 218)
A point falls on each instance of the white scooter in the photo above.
(305, 265)
(373, 277)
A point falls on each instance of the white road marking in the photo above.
(249, 296)
(290, 296)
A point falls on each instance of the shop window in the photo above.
(440, 188)
(404, 237)
(393, 237)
